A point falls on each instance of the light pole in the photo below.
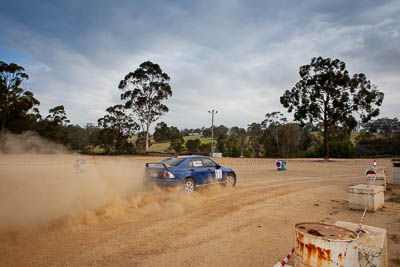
(212, 129)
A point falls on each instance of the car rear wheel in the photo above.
(230, 180)
(190, 185)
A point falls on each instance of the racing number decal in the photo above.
(218, 174)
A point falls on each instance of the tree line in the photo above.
(328, 104)
(142, 94)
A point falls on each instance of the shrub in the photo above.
(337, 149)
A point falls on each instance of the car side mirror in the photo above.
(218, 166)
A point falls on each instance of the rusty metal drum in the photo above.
(319, 244)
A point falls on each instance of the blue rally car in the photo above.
(188, 173)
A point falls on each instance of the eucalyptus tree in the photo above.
(58, 116)
(192, 145)
(385, 125)
(327, 93)
(117, 127)
(14, 99)
(176, 139)
(255, 132)
(161, 132)
(54, 126)
(272, 123)
(239, 137)
(144, 92)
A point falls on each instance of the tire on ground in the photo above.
(230, 180)
(190, 185)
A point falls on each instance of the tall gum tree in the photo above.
(144, 90)
(119, 125)
(326, 93)
(274, 121)
(13, 98)
(58, 116)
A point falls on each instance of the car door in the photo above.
(198, 171)
(213, 172)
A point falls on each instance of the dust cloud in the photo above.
(38, 189)
(31, 143)
(42, 185)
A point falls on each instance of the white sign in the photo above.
(197, 163)
(218, 174)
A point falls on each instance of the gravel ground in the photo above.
(52, 215)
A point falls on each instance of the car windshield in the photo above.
(172, 161)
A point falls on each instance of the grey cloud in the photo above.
(236, 56)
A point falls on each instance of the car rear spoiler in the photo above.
(152, 164)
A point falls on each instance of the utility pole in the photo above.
(212, 129)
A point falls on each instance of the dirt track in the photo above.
(52, 215)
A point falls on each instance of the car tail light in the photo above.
(167, 175)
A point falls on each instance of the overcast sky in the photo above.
(237, 57)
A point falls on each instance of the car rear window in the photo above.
(172, 161)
